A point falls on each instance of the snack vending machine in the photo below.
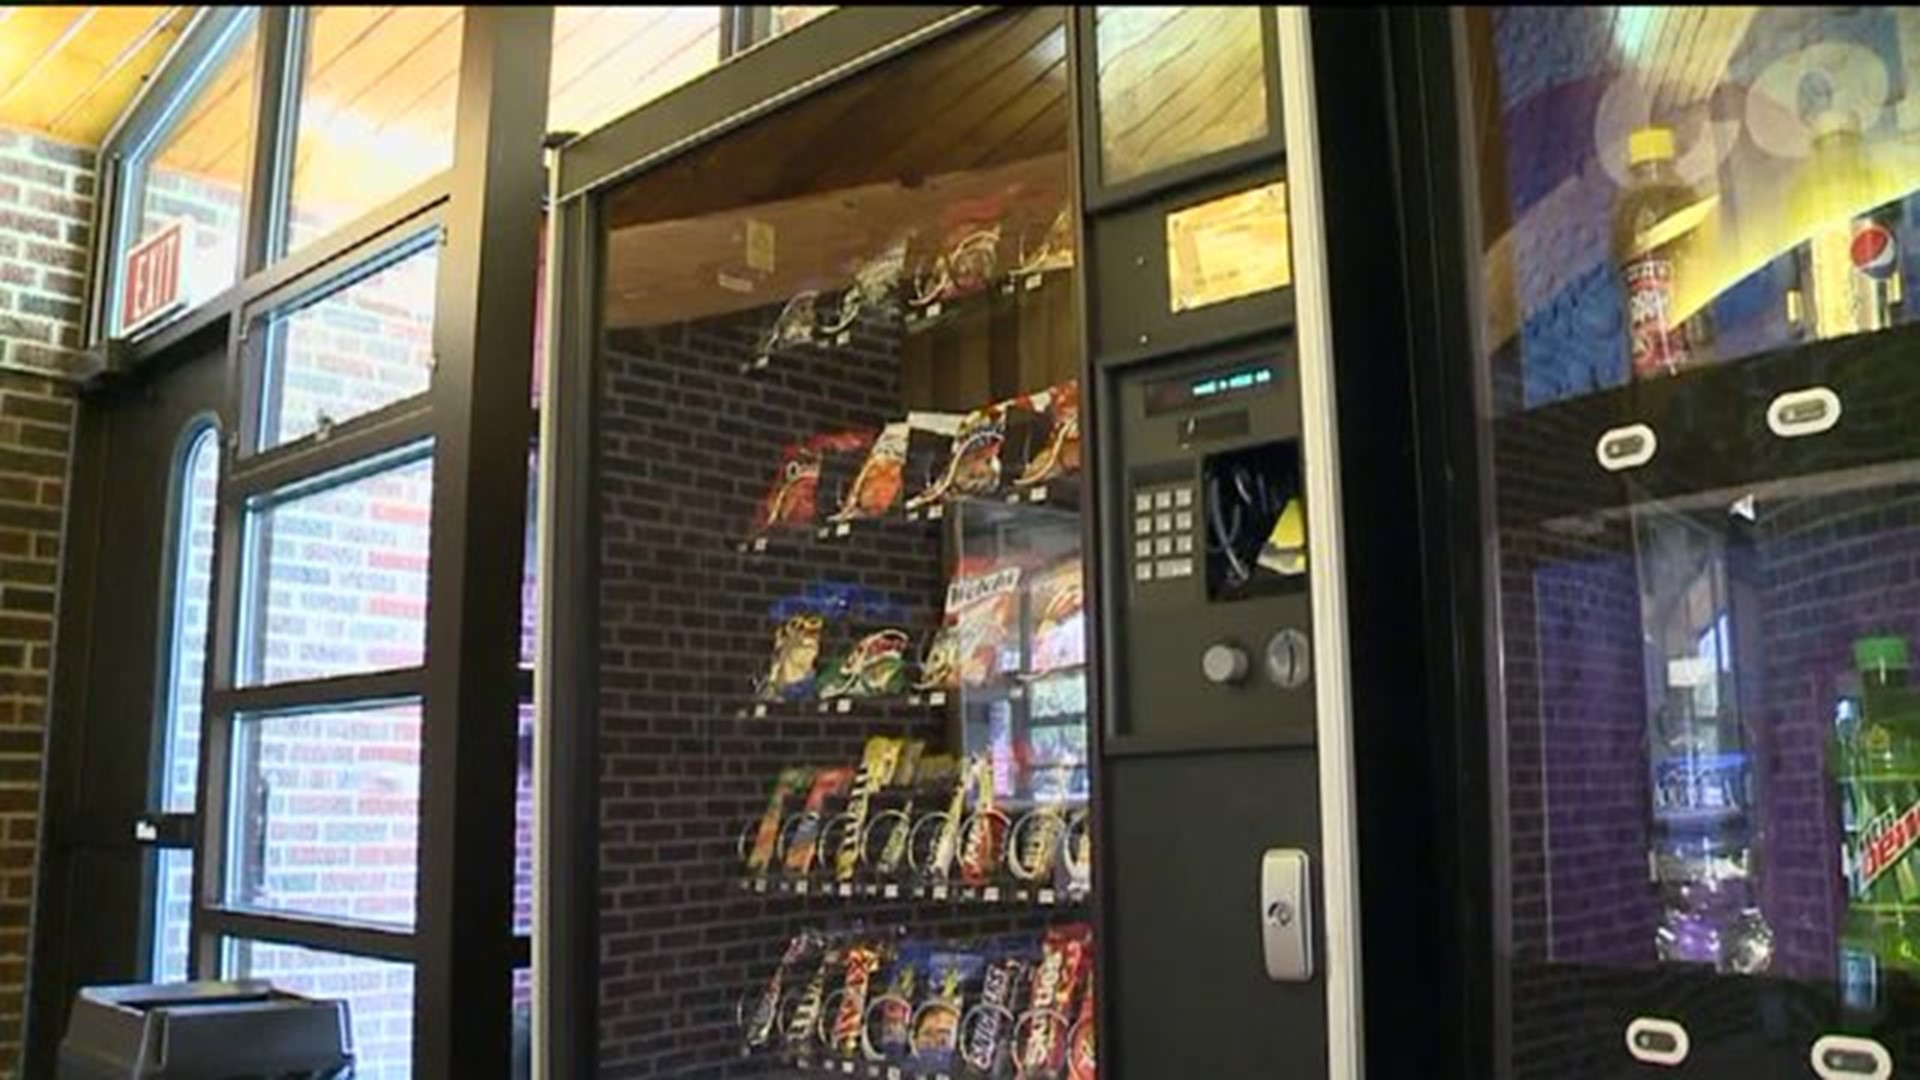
(1677, 367)
(949, 670)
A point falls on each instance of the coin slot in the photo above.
(1626, 448)
(1804, 412)
(1657, 1041)
(1848, 1057)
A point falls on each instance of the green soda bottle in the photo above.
(1884, 864)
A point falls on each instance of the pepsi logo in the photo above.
(1874, 250)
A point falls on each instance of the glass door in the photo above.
(1695, 229)
(843, 716)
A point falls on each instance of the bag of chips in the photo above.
(1056, 611)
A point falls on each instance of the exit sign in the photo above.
(151, 286)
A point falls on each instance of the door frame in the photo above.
(71, 723)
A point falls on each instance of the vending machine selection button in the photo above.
(1163, 546)
(1626, 448)
(1163, 500)
(1848, 1057)
(1144, 571)
(1183, 521)
(1143, 549)
(1183, 545)
(1143, 524)
(1175, 568)
(1803, 412)
(1183, 497)
(1657, 1041)
(1142, 502)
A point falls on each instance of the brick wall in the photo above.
(46, 204)
(687, 447)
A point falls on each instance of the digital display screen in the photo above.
(1193, 391)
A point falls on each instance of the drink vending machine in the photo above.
(1671, 404)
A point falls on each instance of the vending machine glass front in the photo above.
(1694, 233)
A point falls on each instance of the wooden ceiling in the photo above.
(377, 109)
(69, 72)
(981, 115)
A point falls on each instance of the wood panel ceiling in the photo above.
(979, 116)
(69, 72)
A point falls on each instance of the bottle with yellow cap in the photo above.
(1653, 257)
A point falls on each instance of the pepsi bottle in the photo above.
(1849, 265)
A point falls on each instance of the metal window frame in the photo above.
(479, 420)
(121, 184)
(468, 412)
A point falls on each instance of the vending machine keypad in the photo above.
(1163, 532)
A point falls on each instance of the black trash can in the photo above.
(243, 1030)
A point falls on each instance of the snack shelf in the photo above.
(873, 1070)
(958, 895)
(1016, 689)
(1059, 499)
(910, 319)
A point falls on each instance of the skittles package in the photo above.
(829, 787)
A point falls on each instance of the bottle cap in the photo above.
(1654, 143)
(1880, 654)
(1834, 121)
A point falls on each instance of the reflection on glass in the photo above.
(377, 90)
(337, 579)
(842, 591)
(608, 61)
(523, 827)
(1175, 84)
(327, 814)
(1665, 188)
(351, 350)
(379, 995)
(197, 174)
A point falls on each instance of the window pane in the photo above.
(1177, 83)
(352, 350)
(184, 663)
(337, 580)
(608, 61)
(327, 814)
(172, 914)
(192, 593)
(377, 96)
(378, 993)
(197, 174)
